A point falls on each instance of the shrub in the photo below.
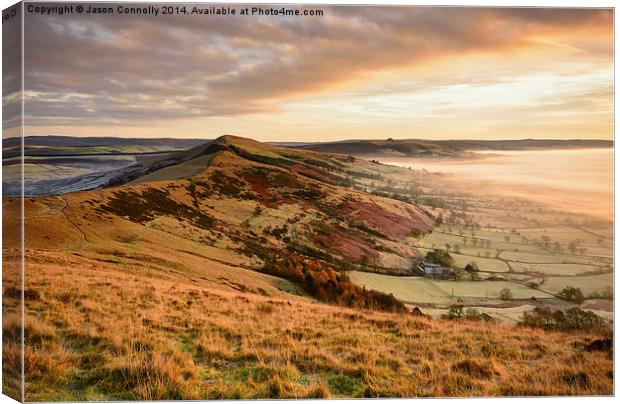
(324, 283)
(505, 294)
(606, 294)
(457, 312)
(151, 203)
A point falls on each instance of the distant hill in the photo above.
(54, 146)
(387, 148)
(445, 148)
(525, 144)
(87, 146)
(75, 141)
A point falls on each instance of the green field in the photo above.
(587, 284)
(407, 289)
(419, 290)
(543, 258)
(552, 269)
(485, 264)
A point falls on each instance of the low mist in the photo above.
(579, 181)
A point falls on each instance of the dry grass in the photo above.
(101, 332)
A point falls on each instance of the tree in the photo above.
(572, 295)
(546, 240)
(455, 312)
(457, 249)
(440, 257)
(571, 319)
(576, 246)
(472, 267)
(505, 294)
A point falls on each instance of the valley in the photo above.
(509, 217)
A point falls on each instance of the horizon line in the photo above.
(327, 141)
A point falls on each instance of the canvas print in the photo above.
(252, 201)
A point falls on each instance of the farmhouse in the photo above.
(433, 270)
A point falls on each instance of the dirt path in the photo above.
(65, 206)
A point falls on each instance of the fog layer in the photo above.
(579, 181)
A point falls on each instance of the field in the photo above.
(588, 284)
(419, 290)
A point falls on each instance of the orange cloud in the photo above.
(125, 71)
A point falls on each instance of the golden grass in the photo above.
(100, 332)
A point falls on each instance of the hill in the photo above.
(219, 272)
(526, 144)
(417, 148)
(387, 148)
(47, 146)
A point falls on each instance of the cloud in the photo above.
(123, 69)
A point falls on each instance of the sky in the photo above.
(353, 73)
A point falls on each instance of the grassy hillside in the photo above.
(154, 329)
